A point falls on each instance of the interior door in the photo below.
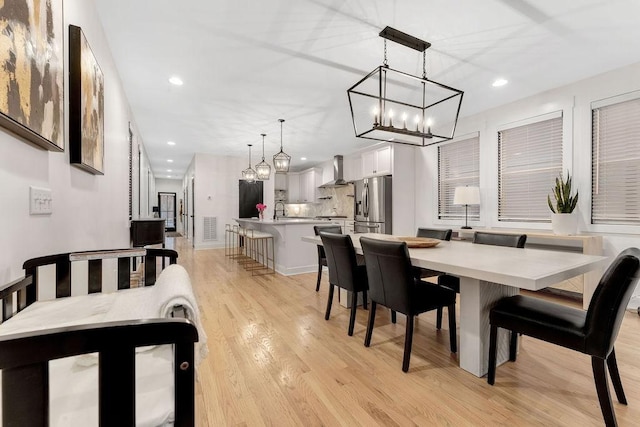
(193, 213)
(250, 194)
(185, 213)
(167, 209)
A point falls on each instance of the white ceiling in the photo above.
(247, 63)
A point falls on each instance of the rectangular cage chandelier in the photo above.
(394, 106)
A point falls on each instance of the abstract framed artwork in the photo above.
(86, 105)
(32, 71)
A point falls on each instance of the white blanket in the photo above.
(173, 288)
(74, 381)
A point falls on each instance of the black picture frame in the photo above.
(86, 105)
(32, 102)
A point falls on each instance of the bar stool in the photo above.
(229, 239)
(242, 252)
(258, 245)
(236, 250)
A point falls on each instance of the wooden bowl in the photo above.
(419, 242)
(412, 242)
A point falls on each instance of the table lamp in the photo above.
(466, 196)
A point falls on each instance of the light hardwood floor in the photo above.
(274, 360)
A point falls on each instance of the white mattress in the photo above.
(74, 380)
(74, 390)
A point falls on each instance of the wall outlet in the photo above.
(40, 201)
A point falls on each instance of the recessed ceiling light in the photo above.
(169, 170)
(303, 158)
(500, 82)
(175, 80)
(171, 143)
(169, 160)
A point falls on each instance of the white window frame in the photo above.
(504, 220)
(607, 224)
(461, 178)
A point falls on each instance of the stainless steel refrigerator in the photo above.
(372, 205)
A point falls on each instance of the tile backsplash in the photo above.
(339, 201)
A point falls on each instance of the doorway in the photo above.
(250, 194)
(193, 212)
(167, 205)
(185, 214)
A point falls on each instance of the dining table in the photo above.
(488, 273)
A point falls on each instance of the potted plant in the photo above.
(563, 221)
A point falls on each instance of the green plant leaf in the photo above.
(565, 203)
(550, 205)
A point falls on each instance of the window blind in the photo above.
(458, 165)
(529, 160)
(615, 163)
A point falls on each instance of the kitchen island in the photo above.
(292, 255)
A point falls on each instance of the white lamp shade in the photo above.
(466, 196)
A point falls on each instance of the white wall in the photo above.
(89, 211)
(404, 188)
(575, 102)
(188, 200)
(217, 195)
(145, 194)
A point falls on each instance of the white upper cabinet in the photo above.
(280, 181)
(309, 181)
(303, 186)
(377, 162)
(293, 183)
(369, 163)
(352, 167)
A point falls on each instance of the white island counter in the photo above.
(292, 255)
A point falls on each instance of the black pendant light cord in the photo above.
(281, 122)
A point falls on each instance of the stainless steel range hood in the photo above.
(338, 179)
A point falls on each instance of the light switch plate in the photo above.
(40, 201)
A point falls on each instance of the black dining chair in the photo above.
(344, 272)
(592, 332)
(392, 284)
(482, 238)
(322, 257)
(433, 233)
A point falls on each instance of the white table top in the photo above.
(531, 269)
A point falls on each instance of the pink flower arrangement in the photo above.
(261, 207)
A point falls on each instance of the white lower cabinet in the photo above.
(349, 227)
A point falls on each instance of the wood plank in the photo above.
(274, 360)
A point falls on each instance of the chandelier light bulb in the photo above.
(401, 96)
(281, 160)
(249, 174)
(263, 169)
